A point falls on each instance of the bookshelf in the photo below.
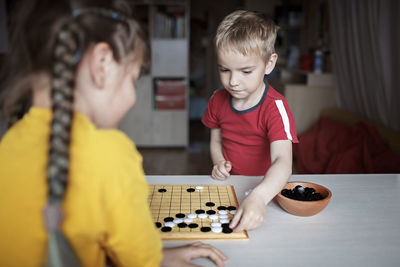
(160, 115)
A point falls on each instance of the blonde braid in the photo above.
(66, 55)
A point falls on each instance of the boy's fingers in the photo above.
(215, 173)
(249, 222)
(223, 171)
(241, 225)
(236, 219)
(218, 175)
(228, 166)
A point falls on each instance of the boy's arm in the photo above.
(251, 212)
(221, 167)
(216, 146)
(279, 172)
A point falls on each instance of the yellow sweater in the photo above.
(106, 208)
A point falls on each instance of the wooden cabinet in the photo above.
(160, 115)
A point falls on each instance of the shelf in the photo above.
(169, 57)
(169, 21)
(160, 115)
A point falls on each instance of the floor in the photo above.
(175, 161)
(193, 160)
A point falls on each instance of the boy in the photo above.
(252, 128)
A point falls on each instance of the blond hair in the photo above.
(247, 32)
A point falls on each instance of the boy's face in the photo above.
(243, 75)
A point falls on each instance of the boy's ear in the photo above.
(269, 67)
(100, 59)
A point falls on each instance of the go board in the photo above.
(193, 212)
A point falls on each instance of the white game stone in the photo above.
(233, 212)
(222, 212)
(216, 229)
(213, 217)
(202, 215)
(169, 224)
(224, 221)
(192, 216)
(199, 187)
(215, 224)
(188, 220)
(223, 216)
(176, 221)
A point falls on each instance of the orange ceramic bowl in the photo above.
(304, 208)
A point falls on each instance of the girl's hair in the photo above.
(247, 32)
(49, 37)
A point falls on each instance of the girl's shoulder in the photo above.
(108, 148)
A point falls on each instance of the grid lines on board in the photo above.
(193, 212)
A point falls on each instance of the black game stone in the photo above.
(193, 225)
(200, 211)
(182, 225)
(231, 208)
(180, 215)
(210, 204)
(210, 212)
(221, 208)
(299, 192)
(168, 219)
(225, 225)
(227, 230)
(205, 229)
(162, 190)
(302, 194)
(158, 224)
(166, 229)
(190, 190)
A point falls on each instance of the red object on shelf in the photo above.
(170, 87)
(170, 94)
(306, 62)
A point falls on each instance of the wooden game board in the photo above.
(167, 201)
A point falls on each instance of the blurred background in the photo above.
(337, 68)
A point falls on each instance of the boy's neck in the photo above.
(251, 100)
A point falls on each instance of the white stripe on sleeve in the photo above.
(285, 118)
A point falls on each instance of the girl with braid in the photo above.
(73, 187)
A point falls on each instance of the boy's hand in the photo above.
(250, 215)
(221, 170)
(181, 256)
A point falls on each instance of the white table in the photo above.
(359, 227)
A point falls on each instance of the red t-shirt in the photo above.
(247, 134)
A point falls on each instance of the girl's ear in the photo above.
(100, 60)
(269, 67)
